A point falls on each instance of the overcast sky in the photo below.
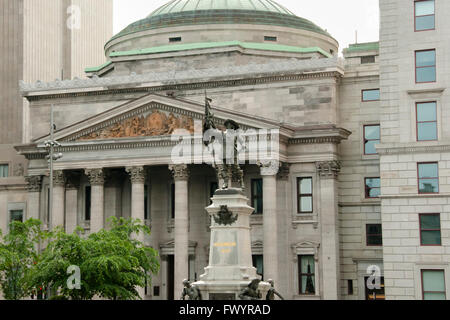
(341, 18)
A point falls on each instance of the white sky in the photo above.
(341, 18)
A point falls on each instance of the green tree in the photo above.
(112, 262)
(18, 253)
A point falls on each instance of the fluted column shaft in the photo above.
(72, 185)
(57, 218)
(97, 181)
(181, 246)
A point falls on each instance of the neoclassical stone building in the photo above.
(325, 216)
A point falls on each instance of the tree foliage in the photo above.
(18, 253)
(112, 262)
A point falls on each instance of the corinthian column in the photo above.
(72, 185)
(328, 186)
(97, 181)
(270, 253)
(34, 192)
(137, 177)
(57, 218)
(181, 247)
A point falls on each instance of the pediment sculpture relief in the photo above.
(156, 123)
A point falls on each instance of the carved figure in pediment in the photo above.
(173, 123)
(156, 123)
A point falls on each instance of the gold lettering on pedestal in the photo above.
(156, 123)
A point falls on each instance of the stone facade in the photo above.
(117, 152)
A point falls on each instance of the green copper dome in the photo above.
(201, 12)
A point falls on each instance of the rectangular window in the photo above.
(373, 187)
(4, 171)
(16, 215)
(373, 235)
(175, 39)
(367, 59)
(270, 38)
(306, 274)
(257, 195)
(424, 12)
(370, 95)
(433, 285)
(428, 174)
(426, 121)
(426, 66)
(375, 293)
(304, 195)
(258, 263)
(371, 138)
(430, 229)
(87, 203)
(350, 287)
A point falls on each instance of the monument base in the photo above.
(230, 268)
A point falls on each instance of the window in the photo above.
(16, 215)
(87, 203)
(424, 15)
(172, 200)
(428, 177)
(426, 121)
(367, 59)
(175, 39)
(371, 138)
(373, 187)
(375, 294)
(4, 171)
(373, 235)
(350, 287)
(306, 274)
(257, 195)
(258, 263)
(430, 229)
(370, 95)
(426, 66)
(270, 38)
(305, 195)
(213, 186)
(433, 285)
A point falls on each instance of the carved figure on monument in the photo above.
(272, 292)
(191, 291)
(251, 292)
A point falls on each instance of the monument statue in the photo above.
(227, 170)
(191, 291)
(272, 292)
(251, 292)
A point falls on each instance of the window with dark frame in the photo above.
(374, 235)
(4, 170)
(425, 66)
(304, 195)
(175, 39)
(367, 59)
(370, 95)
(426, 121)
(87, 203)
(433, 285)
(258, 263)
(306, 275)
(371, 138)
(270, 38)
(424, 15)
(372, 187)
(428, 177)
(430, 229)
(257, 195)
(16, 215)
(350, 287)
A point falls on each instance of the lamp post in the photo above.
(50, 146)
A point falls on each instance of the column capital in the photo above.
(137, 174)
(328, 169)
(269, 167)
(283, 173)
(34, 183)
(72, 180)
(59, 180)
(180, 172)
(96, 176)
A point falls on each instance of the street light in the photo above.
(50, 145)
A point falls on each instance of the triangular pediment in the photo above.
(151, 116)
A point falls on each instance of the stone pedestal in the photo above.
(230, 267)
